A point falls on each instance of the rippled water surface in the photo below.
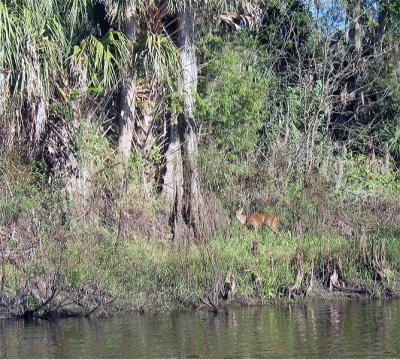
(344, 329)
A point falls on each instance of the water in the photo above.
(344, 329)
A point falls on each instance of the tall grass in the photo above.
(86, 260)
(153, 275)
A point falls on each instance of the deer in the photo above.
(258, 219)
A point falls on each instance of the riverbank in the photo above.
(114, 253)
(93, 274)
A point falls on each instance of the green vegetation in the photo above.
(148, 275)
(128, 142)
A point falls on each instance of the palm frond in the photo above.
(101, 58)
(161, 57)
(8, 36)
(119, 10)
(213, 6)
(78, 13)
(41, 51)
(32, 52)
(32, 44)
(392, 136)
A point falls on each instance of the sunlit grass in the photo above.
(158, 275)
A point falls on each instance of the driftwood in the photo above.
(355, 290)
(216, 309)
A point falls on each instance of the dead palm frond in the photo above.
(32, 50)
(32, 47)
(237, 21)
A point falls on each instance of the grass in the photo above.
(151, 275)
(90, 262)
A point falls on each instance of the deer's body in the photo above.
(258, 219)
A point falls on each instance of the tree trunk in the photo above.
(72, 170)
(126, 118)
(144, 139)
(39, 114)
(173, 182)
(188, 58)
(128, 98)
(189, 86)
(380, 32)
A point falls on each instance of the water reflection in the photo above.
(351, 329)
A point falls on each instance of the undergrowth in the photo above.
(152, 275)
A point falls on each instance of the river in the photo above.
(338, 329)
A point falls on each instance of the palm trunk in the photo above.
(74, 172)
(145, 139)
(173, 181)
(128, 99)
(39, 119)
(126, 118)
(189, 67)
(188, 58)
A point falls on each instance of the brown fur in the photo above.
(258, 219)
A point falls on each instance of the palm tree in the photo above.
(186, 44)
(185, 12)
(44, 56)
(128, 89)
(140, 19)
(32, 49)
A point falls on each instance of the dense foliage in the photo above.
(155, 120)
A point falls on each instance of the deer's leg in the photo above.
(255, 226)
(275, 230)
